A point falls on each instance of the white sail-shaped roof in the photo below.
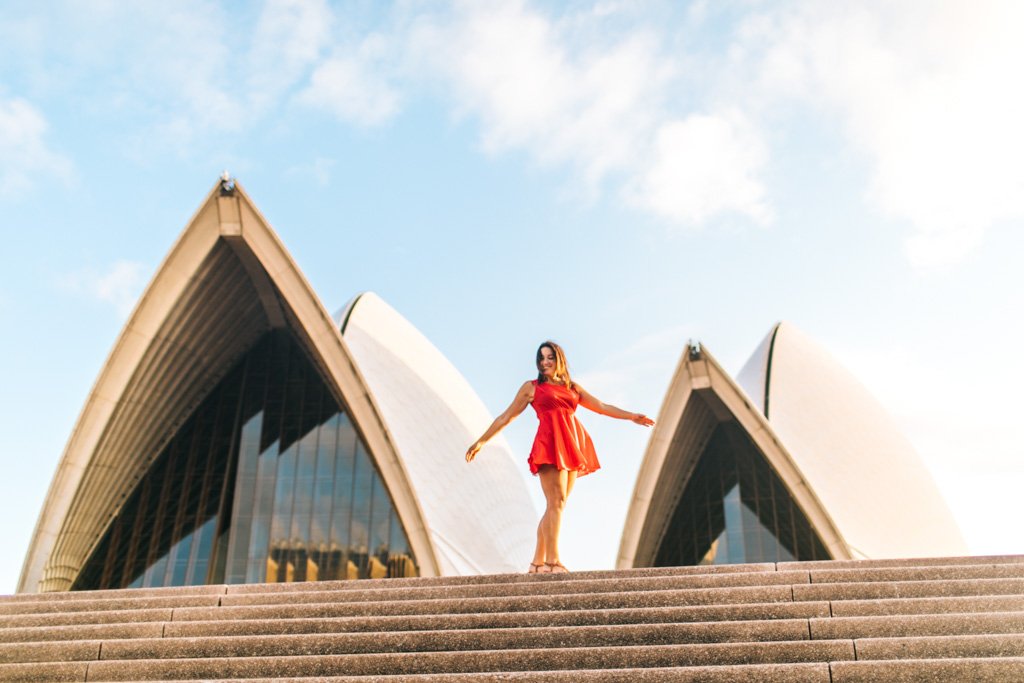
(863, 470)
(479, 516)
(226, 281)
(700, 397)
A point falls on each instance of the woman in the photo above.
(562, 449)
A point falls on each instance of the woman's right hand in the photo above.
(522, 399)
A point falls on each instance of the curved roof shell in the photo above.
(227, 280)
(700, 397)
(479, 516)
(858, 480)
(865, 472)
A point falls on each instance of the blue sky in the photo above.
(619, 176)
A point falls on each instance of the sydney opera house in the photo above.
(239, 433)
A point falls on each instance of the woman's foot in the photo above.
(556, 568)
(536, 567)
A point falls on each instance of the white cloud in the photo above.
(120, 285)
(24, 154)
(593, 89)
(289, 39)
(190, 86)
(703, 166)
(928, 92)
(672, 117)
(568, 92)
(353, 85)
(519, 73)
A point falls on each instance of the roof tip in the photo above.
(227, 184)
(342, 316)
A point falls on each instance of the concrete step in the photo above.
(823, 571)
(606, 593)
(395, 593)
(520, 603)
(816, 616)
(907, 589)
(836, 628)
(653, 615)
(738, 673)
(111, 616)
(908, 562)
(518, 577)
(823, 584)
(415, 582)
(935, 619)
(126, 600)
(939, 647)
(911, 671)
(220, 621)
(537, 587)
(405, 663)
(589, 638)
(908, 671)
(937, 573)
(930, 671)
(944, 605)
(409, 641)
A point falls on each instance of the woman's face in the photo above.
(547, 361)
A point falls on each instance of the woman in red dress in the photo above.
(562, 449)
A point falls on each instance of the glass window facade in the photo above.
(735, 509)
(267, 481)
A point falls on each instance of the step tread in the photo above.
(976, 670)
(908, 589)
(648, 615)
(478, 661)
(748, 632)
(938, 647)
(542, 587)
(833, 628)
(938, 573)
(725, 673)
(904, 562)
(568, 618)
(956, 604)
(840, 621)
(518, 603)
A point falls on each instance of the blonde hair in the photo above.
(561, 374)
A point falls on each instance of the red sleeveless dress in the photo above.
(561, 439)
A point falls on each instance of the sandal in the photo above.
(535, 568)
(556, 568)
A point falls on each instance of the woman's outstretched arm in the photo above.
(591, 403)
(519, 403)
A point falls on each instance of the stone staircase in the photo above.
(939, 619)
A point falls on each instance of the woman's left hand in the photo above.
(642, 420)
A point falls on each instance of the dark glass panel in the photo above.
(242, 514)
(341, 518)
(359, 533)
(267, 481)
(380, 528)
(735, 509)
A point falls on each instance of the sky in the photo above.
(618, 176)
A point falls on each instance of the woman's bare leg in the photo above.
(570, 482)
(544, 472)
(555, 484)
(538, 553)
